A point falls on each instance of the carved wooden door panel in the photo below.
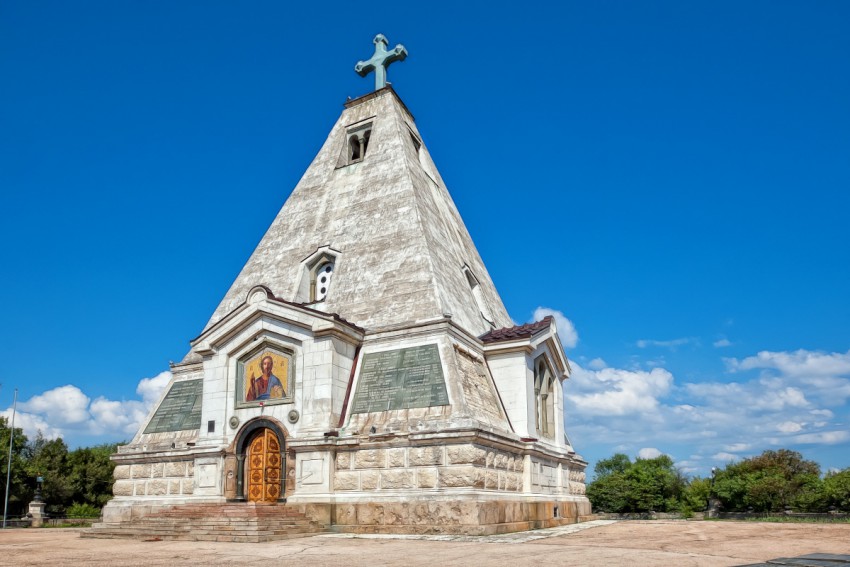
(264, 464)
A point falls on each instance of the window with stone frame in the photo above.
(356, 146)
(544, 397)
(317, 275)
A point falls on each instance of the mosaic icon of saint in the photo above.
(267, 386)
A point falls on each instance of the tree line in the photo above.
(770, 482)
(77, 482)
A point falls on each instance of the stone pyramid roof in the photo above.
(403, 254)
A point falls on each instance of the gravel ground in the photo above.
(642, 543)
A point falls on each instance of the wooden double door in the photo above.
(264, 467)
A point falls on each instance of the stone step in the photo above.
(214, 522)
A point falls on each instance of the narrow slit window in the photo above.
(478, 295)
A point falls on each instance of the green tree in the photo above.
(20, 485)
(48, 458)
(696, 493)
(836, 488)
(769, 482)
(90, 473)
(642, 486)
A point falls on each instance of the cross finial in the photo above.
(380, 61)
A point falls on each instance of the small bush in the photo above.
(82, 511)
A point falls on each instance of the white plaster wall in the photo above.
(514, 378)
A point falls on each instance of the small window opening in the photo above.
(416, 143)
(211, 426)
(478, 295)
(321, 280)
(555, 513)
(357, 144)
(354, 142)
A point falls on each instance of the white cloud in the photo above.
(31, 424)
(612, 391)
(671, 344)
(150, 389)
(649, 453)
(66, 411)
(724, 456)
(64, 405)
(824, 377)
(720, 343)
(823, 438)
(715, 419)
(597, 364)
(566, 330)
(800, 363)
(789, 427)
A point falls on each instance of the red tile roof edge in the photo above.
(517, 331)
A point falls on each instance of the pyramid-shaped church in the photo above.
(361, 374)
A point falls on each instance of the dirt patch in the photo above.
(624, 543)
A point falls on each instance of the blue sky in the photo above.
(670, 178)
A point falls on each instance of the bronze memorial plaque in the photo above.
(180, 410)
(400, 379)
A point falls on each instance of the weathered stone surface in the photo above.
(157, 488)
(121, 472)
(190, 469)
(370, 514)
(466, 454)
(395, 457)
(177, 469)
(501, 461)
(421, 280)
(396, 513)
(156, 470)
(346, 480)
(426, 478)
(369, 480)
(370, 459)
(187, 486)
(122, 488)
(346, 514)
(423, 456)
(139, 487)
(140, 471)
(463, 476)
(491, 480)
(173, 486)
(397, 479)
(343, 461)
(490, 456)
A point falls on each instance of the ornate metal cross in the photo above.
(380, 61)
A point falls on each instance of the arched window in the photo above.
(544, 398)
(356, 144)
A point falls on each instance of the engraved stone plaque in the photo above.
(180, 410)
(400, 379)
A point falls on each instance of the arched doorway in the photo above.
(263, 467)
(260, 450)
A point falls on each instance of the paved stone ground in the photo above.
(648, 543)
